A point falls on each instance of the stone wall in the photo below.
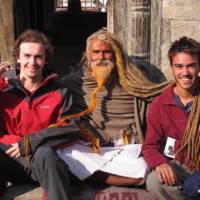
(129, 20)
(6, 30)
(170, 21)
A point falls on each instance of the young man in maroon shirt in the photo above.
(166, 148)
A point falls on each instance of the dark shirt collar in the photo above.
(186, 108)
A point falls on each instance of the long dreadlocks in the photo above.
(130, 77)
(191, 139)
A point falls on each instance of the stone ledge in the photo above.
(23, 192)
(33, 192)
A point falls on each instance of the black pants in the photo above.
(46, 168)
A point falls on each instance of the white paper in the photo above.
(123, 160)
(82, 160)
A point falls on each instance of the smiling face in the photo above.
(32, 59)
(185, 68)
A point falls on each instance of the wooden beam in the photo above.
(6, 30)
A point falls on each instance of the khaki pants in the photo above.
(165, 192)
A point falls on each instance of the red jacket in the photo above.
(165, 119)
(22, 113)
(3, 84)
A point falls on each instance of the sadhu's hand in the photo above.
(166, 174)
(86, 133)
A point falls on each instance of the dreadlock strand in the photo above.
(135, 83)
(131, 78)
(191, 139)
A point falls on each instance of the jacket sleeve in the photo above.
(153, 144)
(51, 137)
(3, 84)
(56, 135)
(9, 139)
(7, 136)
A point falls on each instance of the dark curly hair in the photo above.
(184, 45)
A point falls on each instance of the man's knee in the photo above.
(46, 163)
(45, 156)
(162, 191)
(152, 181)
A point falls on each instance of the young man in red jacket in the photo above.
(171, 147)
(31, 102)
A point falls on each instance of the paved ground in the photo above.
(95, 192)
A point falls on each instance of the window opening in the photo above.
(86, 5)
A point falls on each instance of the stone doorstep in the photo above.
(33, 192)
(23, 192)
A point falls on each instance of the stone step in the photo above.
(92, 192)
